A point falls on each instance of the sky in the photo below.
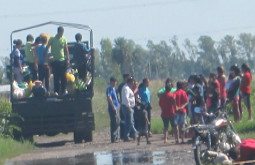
(137, 20)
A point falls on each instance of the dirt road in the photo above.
(60, 149)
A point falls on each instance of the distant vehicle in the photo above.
(57, 114)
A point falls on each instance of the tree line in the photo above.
(171, 59)
(168, 58)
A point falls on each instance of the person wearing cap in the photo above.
(113, 109)
(41, 60)
(127, 105)
(30, 57)
(60, 56)
(80, 56)
(17, 58)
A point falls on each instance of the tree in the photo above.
(140, 62)
(227, 49)
(161, 59)
(192, 53)
(122, 53)
(208, 56)
(178, 59)
(246, 45)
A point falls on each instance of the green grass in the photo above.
(10, 148)
(156, 125)
(100, 105)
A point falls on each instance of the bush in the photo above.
(6, 125)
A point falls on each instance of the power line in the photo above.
(101, 9)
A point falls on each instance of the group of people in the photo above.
(199, 96)
(192, 98)
(129, 108)
(44, 55)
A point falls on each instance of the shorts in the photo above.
(167, 120)
(179, 119)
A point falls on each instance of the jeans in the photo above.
(114, 124)
(129, 122)
(122, 123)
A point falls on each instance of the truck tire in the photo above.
(88, 136)
(77, 136)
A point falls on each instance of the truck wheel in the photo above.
(77, 136)
(88, 136)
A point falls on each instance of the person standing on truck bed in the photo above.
(42, 62)
(17, 58)
(60, 54)
(113, 109)
(30, 57)
(80, 52)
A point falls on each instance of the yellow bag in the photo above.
(70, 77)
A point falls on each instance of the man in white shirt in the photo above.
(128, 103)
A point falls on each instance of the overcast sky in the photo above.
(138, 20)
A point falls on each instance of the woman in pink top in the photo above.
(222, 80)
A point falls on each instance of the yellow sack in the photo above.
(70, 77)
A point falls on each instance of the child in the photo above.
(41, 60)
(143, 124)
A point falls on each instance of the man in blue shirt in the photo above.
(41, 59)
(113, 109)
(145, 96)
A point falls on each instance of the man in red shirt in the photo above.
(246, 89)
(181, 103)
(168, 108)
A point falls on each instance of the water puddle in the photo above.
(118, 158)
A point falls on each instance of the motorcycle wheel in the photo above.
(200, 153)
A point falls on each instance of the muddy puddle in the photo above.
(118, 158)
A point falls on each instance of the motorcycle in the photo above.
(216, 135)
